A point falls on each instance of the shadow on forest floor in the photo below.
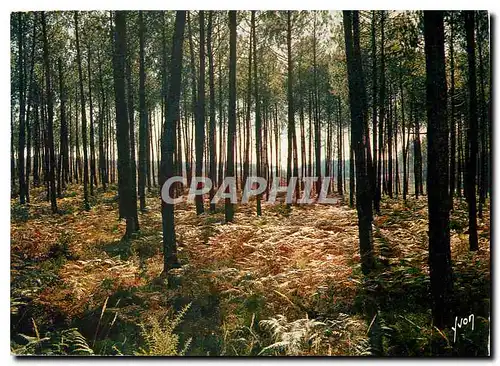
(285, 283)
(398, 290)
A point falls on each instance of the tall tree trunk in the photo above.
(64, 128)
(459, 160)
(84, 118)
(452, 114)
(167, 171)
(389, 144)
(212, 173)
(125, 192)
(50, 118)
(405, 145)
(231, 125)
(472, 131)
(483, 182)
(12, 156)
(200, 120)
(221, 107)
(151, 147)
(143, 117)
(291, 121)
(193, 86)
(317, 125)
(437, 176)
(418, 160)
(246, 166)
(22, 110)
(396, 170)
(28, 115)
(378, 190)
(359, 138)
(131, 112)
(376, 203)
(340, 161)
(258, 136)
(93, 176)
(102, 114)
(36, 137)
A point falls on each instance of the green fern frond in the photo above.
(159, 337)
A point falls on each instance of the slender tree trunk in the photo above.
(231, 126)
(246, 167)
(151, 140)
(405, 145)
(93, 176)
(452, 113)
(378, 190)
(84, 118)
(389, 145)
(258, 136)
(133, 166)
(200, 120)
(143, 117)
(483, 182)
(212, 173)
(459, 160)
(64, 128)
(28, 115)
(12, 156)
(291, 121)
(340, 161)
(100, 131)
(376, 201)
(472, 131)
(221, 132)
(317, 126)
(50, 118)
(22, 110)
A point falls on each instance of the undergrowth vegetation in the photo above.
(286, 283)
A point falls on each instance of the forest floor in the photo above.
(286, 283)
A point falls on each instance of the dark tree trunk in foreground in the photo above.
(167, 150)
(352, 186)
(50, 118)
(453, 143)
(437, 176)
(359, 137)
(472, 131)
(125, 192)
(376, 203)
(483, 169)
(143, 118)
(231, 125)
(84, 118)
